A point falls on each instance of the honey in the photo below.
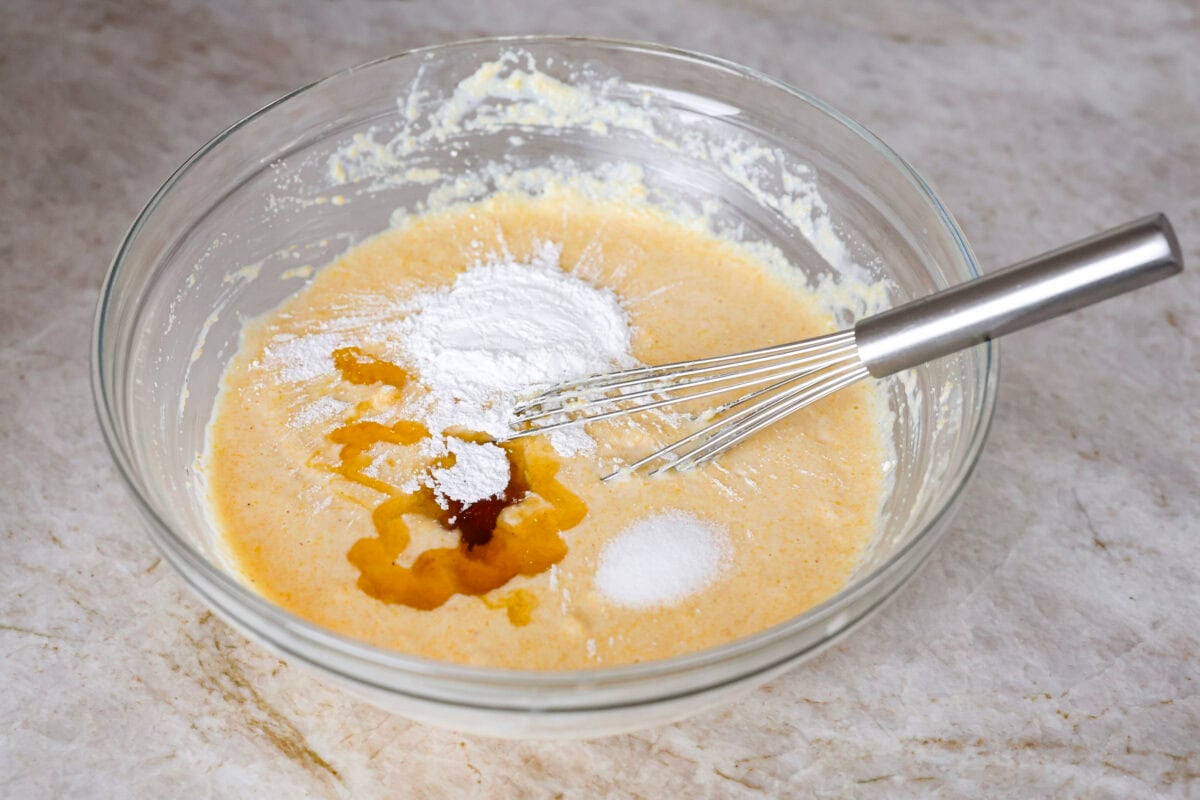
(514, 534)
(518, 606)
(364, 369)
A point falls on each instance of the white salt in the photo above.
(660, 560)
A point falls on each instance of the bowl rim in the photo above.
(210, 582)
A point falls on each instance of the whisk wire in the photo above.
(841, 342)
(710, 433)
(721, 383)
(795, 375)
(819, 389)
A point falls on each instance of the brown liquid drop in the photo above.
(493, 547)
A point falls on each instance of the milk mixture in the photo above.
(357, 471)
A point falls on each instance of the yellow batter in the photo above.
(309, 479)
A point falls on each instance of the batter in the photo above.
(325, 447)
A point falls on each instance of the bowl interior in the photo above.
(238, 228)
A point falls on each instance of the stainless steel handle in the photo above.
(1086, 272)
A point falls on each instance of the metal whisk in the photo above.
(782, 379)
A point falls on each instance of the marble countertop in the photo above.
(1052, 645)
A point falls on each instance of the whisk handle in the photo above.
(1088, 271)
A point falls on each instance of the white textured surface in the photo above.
(480, 472)
(503, 329)
(660, 560)
(1050, 648)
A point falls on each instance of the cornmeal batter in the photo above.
(321, 449)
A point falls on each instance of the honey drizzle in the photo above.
(517, 604)
(494, 547)
(365, 369)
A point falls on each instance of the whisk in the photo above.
(785, 378)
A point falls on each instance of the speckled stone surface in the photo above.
(1051, 647)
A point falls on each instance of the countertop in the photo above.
(1050, 647)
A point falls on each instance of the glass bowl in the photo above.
(240, 224)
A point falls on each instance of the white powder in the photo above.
(571, 441)
(505, 329)
(386, 463)
(302, 358)
(323, 409)
(660, 560)
(480, 472)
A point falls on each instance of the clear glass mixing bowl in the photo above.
(221, 239)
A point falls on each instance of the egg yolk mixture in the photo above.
(358, 475)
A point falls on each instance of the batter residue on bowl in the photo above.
(353, 474)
